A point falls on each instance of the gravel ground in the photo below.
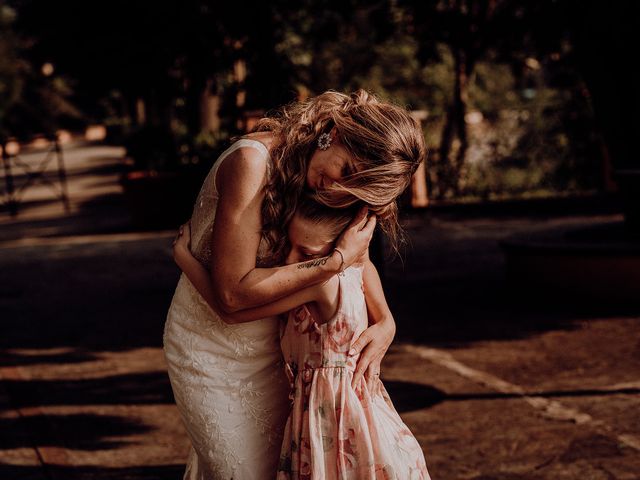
(495, 383)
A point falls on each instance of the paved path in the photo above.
(493, 385)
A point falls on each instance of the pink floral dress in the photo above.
(335, 431)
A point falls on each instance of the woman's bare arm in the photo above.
(199, 277)
(316, 292)
(236, 282)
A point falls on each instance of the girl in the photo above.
(338, 427)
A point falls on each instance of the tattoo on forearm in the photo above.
(314, 263)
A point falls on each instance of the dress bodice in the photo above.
(307, 345)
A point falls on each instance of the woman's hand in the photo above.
(373, 343)
(353, 243)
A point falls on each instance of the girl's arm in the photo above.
(375, 340)
(236, 283)
(199, 277)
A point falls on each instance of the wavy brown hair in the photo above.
(385, 140)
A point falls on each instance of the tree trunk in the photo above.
(209, 108)
(194, 88)
(442, 165)
(141, 114)
(449, 171)
(460, 107)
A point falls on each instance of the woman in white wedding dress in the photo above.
(228, 380)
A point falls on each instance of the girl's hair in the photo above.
(386, 142)
(335, 218)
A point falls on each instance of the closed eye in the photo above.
(346, 171)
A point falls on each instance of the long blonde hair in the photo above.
(385, 140)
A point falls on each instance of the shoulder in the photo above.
(266, 138)
(245, 166)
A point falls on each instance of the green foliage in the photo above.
(529, 126)
(523, 142)
(152, 148)
(32, 100)
(158, 148)
(12, 68)
(532, 140)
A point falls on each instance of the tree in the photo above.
(34, 99)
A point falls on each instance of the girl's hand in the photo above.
(373, 343)
(353, 243)
(372, 377)
(182, 241)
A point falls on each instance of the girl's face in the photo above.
(308, 240)
(330, 165)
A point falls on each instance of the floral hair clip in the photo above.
(324, 141)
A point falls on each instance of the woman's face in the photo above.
(330, 165)
(308, 240)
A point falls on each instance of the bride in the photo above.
(227, 379)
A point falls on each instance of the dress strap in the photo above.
(255, 143)
(249, 142)
(243, 142)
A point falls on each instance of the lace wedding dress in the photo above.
(228, 380)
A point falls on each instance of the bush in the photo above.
(152, 148)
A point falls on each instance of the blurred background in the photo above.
(517, 354)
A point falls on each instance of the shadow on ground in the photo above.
(128, 389)
(90, 432)
(68, 303)
(154, 472)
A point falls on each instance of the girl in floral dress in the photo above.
(336, 429)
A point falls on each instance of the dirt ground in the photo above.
(495, 383)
